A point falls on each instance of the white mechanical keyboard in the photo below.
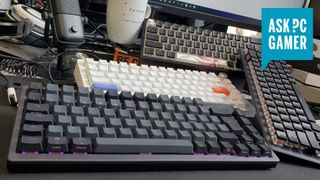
(158, 80)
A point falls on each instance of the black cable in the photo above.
(20, 43)
(94, 27)
(29, 61)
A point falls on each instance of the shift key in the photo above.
(37, 108)
(32, 118)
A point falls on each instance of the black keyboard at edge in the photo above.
(284, 116)
(82, 130)
(175, 45)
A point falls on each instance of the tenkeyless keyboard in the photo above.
(175, 45)
(158, 80)
(64, 128)
(284, 116)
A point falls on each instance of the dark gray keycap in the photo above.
(128, 104)
(31, 144)
(77, 111)
(226, 147)
(178, 117)
(191, 118)
(258, 139)
(245, 139)
(197, 136)
(109, 132)
(99, 102)
(115, 104)
(200, 147)
(186, 126)
(143, 106)
(159, 125)
(127, 146)
(60, 110)
(170, 134)
(152, 115)
(155, 134)
(68, 100)
(241, 149)
(213, 147)
(52, 88)
(57, 144)
(68, 90)
(155, 106)
(124, 133)
(64, 121)
(91, 132)
(73, 131)
(140, 133)
(114, 122)
(180, 108)
(222, 109)
(138, 115)
(211, 127)
(99, 122)
(151, 98)
(144, 124)
(265, 150)
(229, 137)
(222, 128)
(109, 113)
(82, 121)
(93, 112)
(172, 125)
(111, 95)
(214, 119)
(210, 136)
(187, 101)
(235, 127)
(124, 114)
(254, 150)
(81, 145)
(84, 101)
(130, 123)
(198, 127)
(55, 131)
(192, 110)
(97, 93)
(202, 118)
(32, 130)
(184, 135)
(83, 91)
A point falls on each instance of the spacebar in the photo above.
(131, 146)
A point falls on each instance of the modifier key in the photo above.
(127, 146)
(31, 144)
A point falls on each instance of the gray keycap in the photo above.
(55, 131)
(124, 145)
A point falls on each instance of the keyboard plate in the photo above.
(29, 162)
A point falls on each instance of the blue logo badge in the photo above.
(287, 34)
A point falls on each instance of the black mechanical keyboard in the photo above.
(285, 118)
(64, 128)
(175, 45)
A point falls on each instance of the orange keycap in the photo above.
(221, 90)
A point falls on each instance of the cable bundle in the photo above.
(19, 68)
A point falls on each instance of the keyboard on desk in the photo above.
(64, 128)
(175, 45)
(284, 116)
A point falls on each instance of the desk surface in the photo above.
(288, 169)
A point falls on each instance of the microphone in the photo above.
(67, 22)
